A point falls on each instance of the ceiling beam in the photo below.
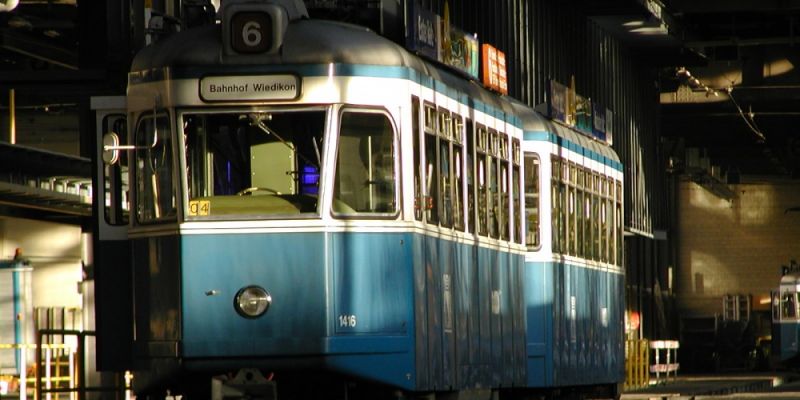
(38, 49)
(732, 6)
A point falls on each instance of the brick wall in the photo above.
(735, 246)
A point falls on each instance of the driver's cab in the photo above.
(270, 163)
(786, 301)
(258, 163)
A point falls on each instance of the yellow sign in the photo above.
(199, 208)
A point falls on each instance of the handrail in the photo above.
(80, 374)
(22, 366)
(670, 347)
(637, 360)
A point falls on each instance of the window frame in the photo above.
(398, 189)
(116, 176)
(185, 163)
(430, 146)
(417, 131)
(516, 191)
(537, 160)
(136, 200)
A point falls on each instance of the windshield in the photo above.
(253, 163)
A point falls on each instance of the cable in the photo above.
(748, 119)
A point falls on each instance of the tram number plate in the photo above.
(199, 207)
(347, 321)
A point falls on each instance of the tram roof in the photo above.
(320, 42)
(790, 280)
(307, 42)
(542, 128)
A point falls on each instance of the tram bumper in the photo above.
(248, 383)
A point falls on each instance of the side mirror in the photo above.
(111, 148)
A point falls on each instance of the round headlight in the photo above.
(252, 301)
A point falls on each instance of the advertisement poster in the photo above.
(583, 114)
(599, 122)
(425, 33)
(557, 101)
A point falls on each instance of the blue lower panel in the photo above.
(342, 298)
(574, 325)
(414, 311)
(467, 302)
(379, 358)
(291, 267)
(786, 338)
(392, 369)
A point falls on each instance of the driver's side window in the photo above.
(365, 165)
(155, 191)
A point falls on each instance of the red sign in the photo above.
(494, 69)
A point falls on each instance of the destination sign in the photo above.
(255, 87)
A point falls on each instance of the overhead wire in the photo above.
(749, 118)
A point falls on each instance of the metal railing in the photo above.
(77, 386)
(669, 364)
(637, 363)
(58, 356)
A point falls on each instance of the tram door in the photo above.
(111, 270)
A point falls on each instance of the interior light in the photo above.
(650, 30)
(8, 5)
(633, 24)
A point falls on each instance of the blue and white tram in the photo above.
(574, 278)
(786, 318)
(313, 203)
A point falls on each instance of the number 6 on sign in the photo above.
(251, 33)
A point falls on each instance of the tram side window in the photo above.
(155, 192)
(515, 159)
(365, 179)
(618, 218)
(532, 190)
(445, 171)
(470, 177)
(418, 196)
(444, 179)
(505, 193)
(571, 207)
(596, 216)
(431, 187)
(580, 213)
(116, 201)
(482, 168)
(605, 212)
(612, 230)
(587, 213)
(789, 305)
(556, 204)
(492, 166)
(458, 168)
(776, 306)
